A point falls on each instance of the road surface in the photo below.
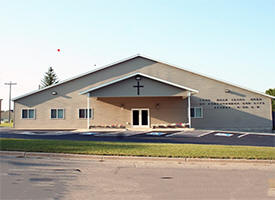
(129, 178)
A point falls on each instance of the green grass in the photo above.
(138, 149)
(6, 125)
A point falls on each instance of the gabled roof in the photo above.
(132, 57)
(75, 77)
(140, 74)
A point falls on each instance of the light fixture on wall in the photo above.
(138, 78)
(157, 106)
(122, 106)
(227, 91)
(54, 93)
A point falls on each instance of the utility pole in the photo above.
(10, 84)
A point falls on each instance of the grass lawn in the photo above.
(138, 149)
(6, 125)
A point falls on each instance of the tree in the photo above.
(49, 78)
(272, 93)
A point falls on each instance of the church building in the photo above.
(141, 92)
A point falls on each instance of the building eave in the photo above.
(75, 77)
(146, 57)
(207, 76)
(140, 74)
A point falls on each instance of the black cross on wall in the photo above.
(138, 86)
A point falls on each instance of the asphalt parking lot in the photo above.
(192, 137)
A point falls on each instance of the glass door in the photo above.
(135, 116)
(140, 118)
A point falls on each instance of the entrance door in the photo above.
(140, 118)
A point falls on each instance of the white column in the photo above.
(88, 110)
(189, 109)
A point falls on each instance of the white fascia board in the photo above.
(75, 77)
(140, 74)
(207, 76)
(144, 56)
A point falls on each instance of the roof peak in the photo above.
(139, 74)
(132, 57)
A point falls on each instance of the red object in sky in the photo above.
(58, 50)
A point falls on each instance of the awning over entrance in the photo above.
(139, 84)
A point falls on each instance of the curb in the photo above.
(138, 158)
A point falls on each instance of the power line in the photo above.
(10, 84)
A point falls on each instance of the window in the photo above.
(57, 113)
(83, 113)
(196, 112)
(28, 114)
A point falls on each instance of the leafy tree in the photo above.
(49, 78)
(272, 93)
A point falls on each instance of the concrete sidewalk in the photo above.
(137, 158)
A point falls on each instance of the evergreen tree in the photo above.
(49, 78)
(272, 93)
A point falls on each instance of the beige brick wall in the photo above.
(108, 111)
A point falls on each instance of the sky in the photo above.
(231, 40)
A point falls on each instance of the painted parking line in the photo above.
(174, 134)
(188, 134)
(240, 136)
(257, 134)
(204, 134)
